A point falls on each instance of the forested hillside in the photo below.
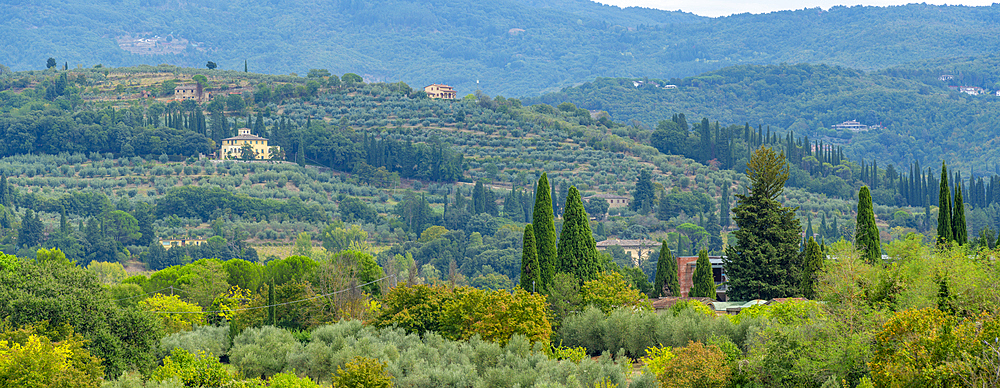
(924, 119)
(379, 156)
(506, 47)
(383, 157)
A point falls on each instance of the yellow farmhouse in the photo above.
(232, 148)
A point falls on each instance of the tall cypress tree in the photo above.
(531, 280)
(812, 262)
(666, 282)
(543, 224)
(577, 252)
(958, 217)
(4, 191)
(704, 285)
(866, 236)
(944, 230)
(724, 208)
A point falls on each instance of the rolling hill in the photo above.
(514, 48)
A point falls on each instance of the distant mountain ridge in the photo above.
(508, 47)
(923, 114)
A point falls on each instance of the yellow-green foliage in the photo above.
(696, 365)
(605, 384)
(657, 358)
(463, 312)
(29, 360)
(695, 305)
(925, 348)
(496, 315)
(362, 372)
(575, 354)
(236, 306)
(194, 370)
(609, 291)
(290, 380)
(166, 305)
(9, 262)
(788, 313)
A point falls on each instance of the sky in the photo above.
(715, 8)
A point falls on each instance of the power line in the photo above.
(276, 304)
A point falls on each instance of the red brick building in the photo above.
(685, 274)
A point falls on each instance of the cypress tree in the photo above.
(63, 223)
(530, 279)
(866, 237)
(577, 252)
(704, 285)
(4, 191)
(543, 224)
(812, 262)
(666, 282)
(724, 207)
(958, 217)
(944, 230)
(271, 309)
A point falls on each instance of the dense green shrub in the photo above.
(194, 370)
(433, 361)
(208, 339)
(262, 351)
(59, 292)
(635, 331)
(362, 372)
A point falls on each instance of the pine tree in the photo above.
(577, 251)
(866, 237)
(765, 258)
(944, 230)
(666, 282)
(530, 279)
(958, 217)
(543, 224)
(704, 285)
(812, 262)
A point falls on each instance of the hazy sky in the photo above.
(715, 8)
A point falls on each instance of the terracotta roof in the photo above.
(245, 137)
(627, 243)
